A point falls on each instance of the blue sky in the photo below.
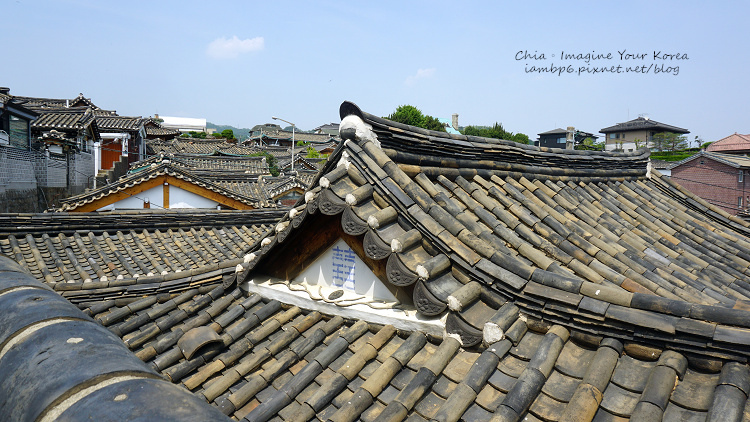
(240, 63)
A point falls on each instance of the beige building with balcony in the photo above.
(623, 136)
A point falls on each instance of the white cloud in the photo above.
(421, 74)
(231, 48)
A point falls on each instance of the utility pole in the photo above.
(570, 137)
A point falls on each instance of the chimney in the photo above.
(4, 90)
(454, 121)
(570, 138)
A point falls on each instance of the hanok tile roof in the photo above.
(642, 123)
(108, 123)
(197, 146)
(63, 119)
(574, 286)
(59, 364)
(160, 131)
(209, 164)
(39, 104)
(586, 246)
(166, 167)
(733, 142)
(661, 164)
(271, 134)
(300, 162)
(276, 186)
(281, 151)
(110, 249)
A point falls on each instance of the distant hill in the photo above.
(239, 133)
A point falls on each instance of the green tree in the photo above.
(432, 123)
(590, 144)
(194, 134)
(273, 166)
(706, 144)
(313, 153)
(227, 133)
(520, 138)
(669, 141)
(497, 132)
(638, 143)
(410, 115)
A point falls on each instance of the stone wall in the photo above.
(32, 181)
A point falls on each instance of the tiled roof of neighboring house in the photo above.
(64, 119)
(300, 162)
(265, 186)
(661, 164)
(737, 161)
(197, 146)
(7, 101)
(241, 184)
(643, 123)
(280, 151)
(279, 185)
(209, 164)
(572, 285)
(271, 135)
(40, 104)
(165, 168)
(734, 142)
(160, 131)
(128, 248)
(107, 123)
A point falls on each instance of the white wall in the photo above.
(626, 147)
(178, 198)
(340, 268)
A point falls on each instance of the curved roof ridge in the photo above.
(425, 148)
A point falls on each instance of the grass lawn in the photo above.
(672, 156)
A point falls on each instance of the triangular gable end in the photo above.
(340, 272)
(157, 190)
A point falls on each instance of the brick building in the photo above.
(718, 178)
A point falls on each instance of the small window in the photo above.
(561, 140)
(612, 136)
(739, 201)
(740, 177)
(19, 132)
(701, 161)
